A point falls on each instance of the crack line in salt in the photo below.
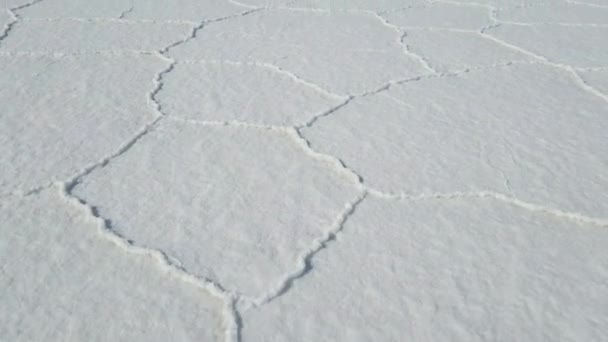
(15, 18)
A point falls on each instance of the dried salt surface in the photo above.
(253, 170)
(61, 114)
(501, 130)
(462, 270)
(253, 199)
(353, 52)
(60, 281)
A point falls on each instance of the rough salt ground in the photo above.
(304, 170)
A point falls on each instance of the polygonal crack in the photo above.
(355, 53)
(500, 129)
(60, 114)
(232, 204)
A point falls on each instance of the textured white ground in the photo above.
(312, 170)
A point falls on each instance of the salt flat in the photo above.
(304, 170)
